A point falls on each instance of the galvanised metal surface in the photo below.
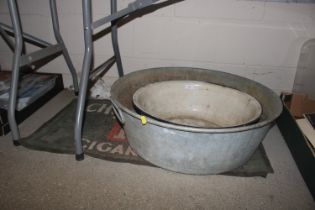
(188, 149)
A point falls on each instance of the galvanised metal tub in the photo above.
(187, 149)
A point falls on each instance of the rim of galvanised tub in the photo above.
(118, 107)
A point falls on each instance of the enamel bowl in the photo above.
(197, 104)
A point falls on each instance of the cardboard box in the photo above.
(298, 104)
(299, 145)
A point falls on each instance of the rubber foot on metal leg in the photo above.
(16, 143)
(79, 157)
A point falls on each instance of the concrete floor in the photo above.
(41, 180)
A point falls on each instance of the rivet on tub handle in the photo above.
(118, 112)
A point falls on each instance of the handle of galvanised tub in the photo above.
(118, 112)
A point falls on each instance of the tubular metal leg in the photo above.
(15, 70)
(55, 22)
(115, 40)
(87, 64)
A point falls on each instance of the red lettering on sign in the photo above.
(117, 134)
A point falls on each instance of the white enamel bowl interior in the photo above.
(197, 104)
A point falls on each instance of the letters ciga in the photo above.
(100, 108)
(108, 147)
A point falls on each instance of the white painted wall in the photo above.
(260, 40)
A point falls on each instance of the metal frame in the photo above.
(87, 73)
(21, 59)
